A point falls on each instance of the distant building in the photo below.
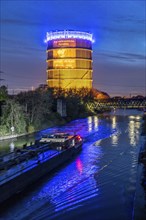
(43, 86)
(69, 59)
(99, 94)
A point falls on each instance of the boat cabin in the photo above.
(61, 140)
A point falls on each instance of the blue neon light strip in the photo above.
(68, 34)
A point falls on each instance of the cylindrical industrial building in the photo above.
(69, 59)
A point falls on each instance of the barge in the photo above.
(23, 167)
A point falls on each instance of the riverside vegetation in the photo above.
(31, 111)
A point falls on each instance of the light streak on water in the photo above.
(133, 129)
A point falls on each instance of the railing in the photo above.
(118, 103)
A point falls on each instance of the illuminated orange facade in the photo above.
(69, 60)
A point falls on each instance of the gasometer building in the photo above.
(69, 59)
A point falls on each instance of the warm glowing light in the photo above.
(64, 53)
(138, 117)
(115, 139)
(61, 52)
(135, 117)
(131, 117)
(133, 129)
(69, 34)
(114, 136)
(69, 61)
(96, 122)
(89, 123)
(89, 119)
(65, 63)
(114, 122)
(131, 133)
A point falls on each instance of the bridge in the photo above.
(131, 103)
(106, 104)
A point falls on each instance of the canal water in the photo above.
(99, 183)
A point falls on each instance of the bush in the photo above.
(31, 129)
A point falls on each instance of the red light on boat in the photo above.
(79, 138)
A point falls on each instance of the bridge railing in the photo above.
(118, 103)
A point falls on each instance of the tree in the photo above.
(3, 93)
(12, 118)
(38, 106)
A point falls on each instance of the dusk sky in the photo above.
(119, 51)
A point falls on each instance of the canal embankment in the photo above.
(140, 194)
(12, 136)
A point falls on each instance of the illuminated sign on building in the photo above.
(61, 53)
(64, 43)
(64, 64)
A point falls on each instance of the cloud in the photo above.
(19, 22)
(17, 46)
(22, 52)
(124, 30)
(11, 41)
(126, 57)
(132, 19)
(134, 56)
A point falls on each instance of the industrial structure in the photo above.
(69, 59)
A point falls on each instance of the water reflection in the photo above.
(12, 147)
(115, 139)
(96, 122)
(114, 124)
(89, 124)
(134, 129)
(93, 123)
(71, 186)
(18, 142)
(79, 165)
(101, 177)
(115, 135)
